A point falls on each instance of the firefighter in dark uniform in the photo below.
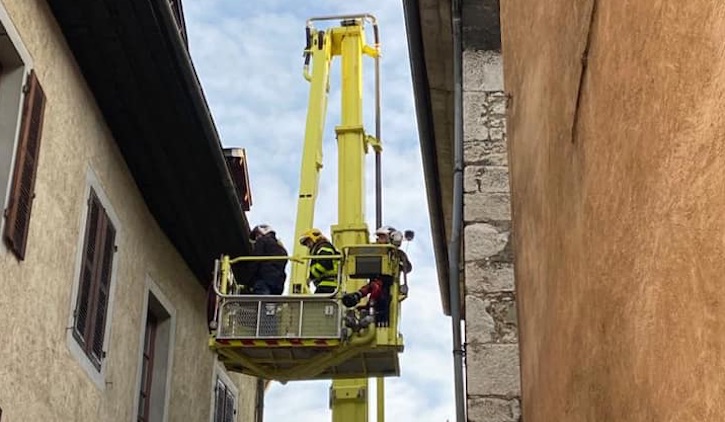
(323, 271)
(267, 276)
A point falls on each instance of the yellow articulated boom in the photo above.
(303, 336)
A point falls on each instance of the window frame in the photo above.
(219, 375)
(148, 354)
(27, 66)
(103, 236)
(96, 374)
(152, 289)
(26, 157)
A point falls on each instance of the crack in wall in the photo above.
(583, 74)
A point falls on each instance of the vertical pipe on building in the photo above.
(259, 405)
(380, 408)
(454, 249)
(378, 134)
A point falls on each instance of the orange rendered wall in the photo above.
(618, 195)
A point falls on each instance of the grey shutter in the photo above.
(219, 396)
(229, 406)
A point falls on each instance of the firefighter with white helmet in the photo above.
(388, 234)
(323, 271)
(379, 288)
(267, 276)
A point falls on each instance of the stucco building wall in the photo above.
(39, 377)
(615, 132)
(492, 359)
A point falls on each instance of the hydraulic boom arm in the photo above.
(348, 398)
(299, 336)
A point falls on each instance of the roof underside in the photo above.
(135, 63)
(433, 80)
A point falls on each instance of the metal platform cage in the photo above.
(248, 317)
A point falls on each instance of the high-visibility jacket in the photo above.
(323, 272)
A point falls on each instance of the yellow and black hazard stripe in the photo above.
(278, 342)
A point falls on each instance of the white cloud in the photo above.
(249, 59)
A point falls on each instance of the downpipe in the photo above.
(454, 249)
(259, 408)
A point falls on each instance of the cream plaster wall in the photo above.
(40, 379)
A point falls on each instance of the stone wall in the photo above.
(492, 355)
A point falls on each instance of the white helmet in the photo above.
(385, 230)
(260, 230)
(391, 235)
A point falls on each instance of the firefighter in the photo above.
(267, 276)
(379, 287)
(387, 234)
(323, 271)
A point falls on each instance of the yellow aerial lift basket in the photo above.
(307, 336)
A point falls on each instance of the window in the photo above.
(22, 105)
(20, 201)
(154, 374)
(147, 368)
(224, 400)
(91, 307)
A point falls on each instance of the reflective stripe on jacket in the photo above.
(323, 272)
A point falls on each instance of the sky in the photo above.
(248, 55)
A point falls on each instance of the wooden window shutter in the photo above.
(95, 279)
(104, 283)
(147, 367)
(26, 166)
(86, 284)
